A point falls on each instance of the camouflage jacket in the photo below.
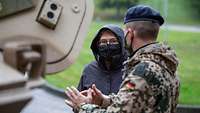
(150, 84)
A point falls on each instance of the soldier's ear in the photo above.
(129, 30)
(131, 33)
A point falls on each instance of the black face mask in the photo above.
(111, 53)
(109, 50)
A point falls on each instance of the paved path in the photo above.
(175, 27)
(183, 28)
(45, 102)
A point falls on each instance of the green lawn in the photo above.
(186, 44)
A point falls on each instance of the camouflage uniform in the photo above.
(150, 84)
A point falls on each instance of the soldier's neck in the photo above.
(140, 43)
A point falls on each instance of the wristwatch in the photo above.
(88, 107)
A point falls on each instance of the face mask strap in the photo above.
(131, 42)
(129, 47)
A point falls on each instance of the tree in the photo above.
(195, 6)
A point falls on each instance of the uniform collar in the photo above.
(142, 47)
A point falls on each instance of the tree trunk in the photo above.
(117, 9)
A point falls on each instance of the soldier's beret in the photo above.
(143, 13)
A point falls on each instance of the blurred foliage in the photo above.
(113, 9)
(117, 4)
(185, 12)
(195, 8)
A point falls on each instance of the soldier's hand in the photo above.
(76, 99)
(98, 97)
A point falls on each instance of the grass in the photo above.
(186, 44)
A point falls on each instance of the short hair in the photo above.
(106, 30)
(145, 29)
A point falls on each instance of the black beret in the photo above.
(143, 13)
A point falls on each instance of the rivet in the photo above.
(75, 8)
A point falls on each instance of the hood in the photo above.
(117, 31)
(159, 53)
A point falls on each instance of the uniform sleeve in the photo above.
(132, 96)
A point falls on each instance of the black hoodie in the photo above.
(108, 81)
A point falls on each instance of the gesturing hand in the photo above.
(98, 97)
(77, 98)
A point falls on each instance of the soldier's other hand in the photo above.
(76, 99)
(97, 96)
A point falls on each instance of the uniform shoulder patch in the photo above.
(140, 69)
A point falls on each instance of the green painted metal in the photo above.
(10, 7)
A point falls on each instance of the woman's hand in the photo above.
(76, 98)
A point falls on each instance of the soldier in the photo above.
(150, 84)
